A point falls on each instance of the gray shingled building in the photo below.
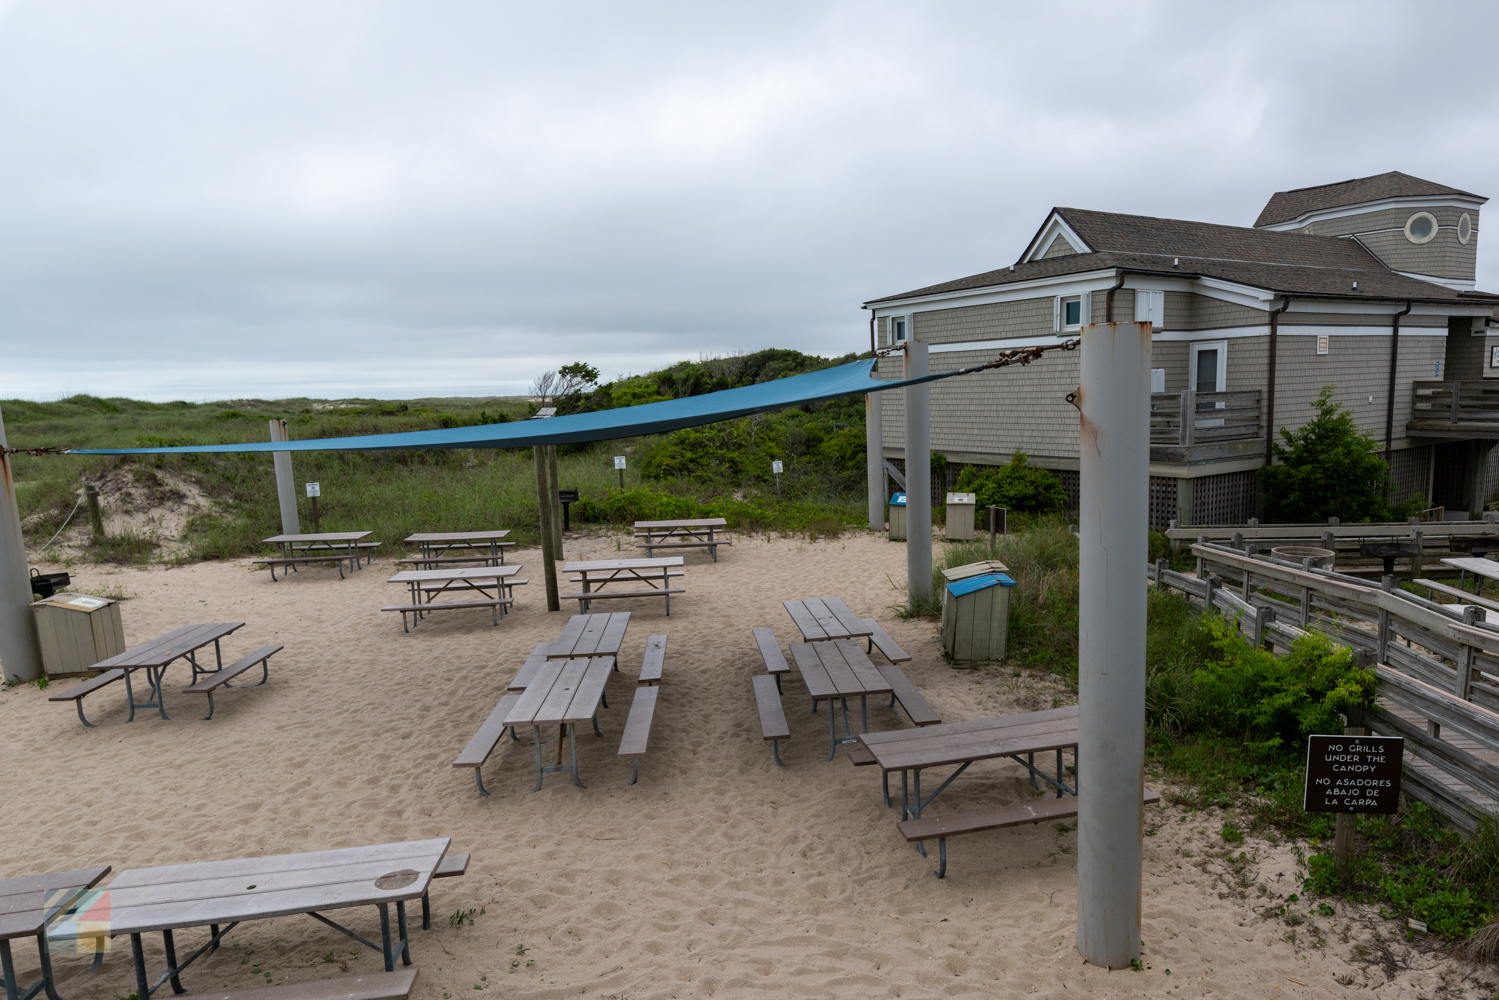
(1367, 285)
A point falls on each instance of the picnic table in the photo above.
(836, 671)
(153, 657)
(561, 693)
(487, 547)
(326, 546)
(1481, 568)
(597, 574)
(220, 895)
(27, 906)
(425, 584)
(824, 618)
(963, 743)
(691, 533)
(590, 635)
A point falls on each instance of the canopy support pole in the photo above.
(556, 502)
(918, 476)
(544, 507)
(874, 454)
(1113, 402)
(20, 654)
(286, 488)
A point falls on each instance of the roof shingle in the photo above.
(1284, 206)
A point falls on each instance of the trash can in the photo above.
(77, 632)
(960, 512)
(976, 612)
(898, 517)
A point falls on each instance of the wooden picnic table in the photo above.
(323, 546)
(835, 671)
(824, 618)
(27, 906)
(561, 693)
(221, 894)
(484, 546)
(1481, 568)
(425, 584)
(154, 657)
(689, 533)
(962, 743)
(597, 574)
(590, 635)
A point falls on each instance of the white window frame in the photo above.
(1058, 312)
(1221, 346)
(1324, 343)
(1150, 306)
(1418, 240)
(905, 324)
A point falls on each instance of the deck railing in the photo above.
(1204, 426)
(1460, 408)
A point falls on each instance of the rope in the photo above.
(1013, 356)
(64, 525)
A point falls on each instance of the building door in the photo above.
(1209, 375)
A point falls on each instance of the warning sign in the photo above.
(1353, 774)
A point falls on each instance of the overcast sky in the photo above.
(220, 200)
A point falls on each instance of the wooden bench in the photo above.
(77, 691)
(654, 660)
(438, 588)
(482, 745)
(534, 662)
(879, 637)
(481, 557)
(357, 547)
(605, 595)
(770, 652)
(1036, 811)
(1461, 595)
(292, 561)
(370, 986)
(677, 545)
(492, 603)
(674, 572)
(451, 866)
(903, 691)
(772, 715)
(206, 685)
(638, 726)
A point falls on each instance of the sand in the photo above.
(718, 874)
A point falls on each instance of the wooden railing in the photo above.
(1430, 535)
(1466, 409)
(1204, 426)
(1438, 666)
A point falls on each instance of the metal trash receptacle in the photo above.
(960, 514)
(898, 517)
(976, 612)
(76, 632)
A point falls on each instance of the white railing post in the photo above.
(1114, 465)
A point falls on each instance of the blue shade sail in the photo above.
(852, 379)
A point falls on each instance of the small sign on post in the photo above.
(1352, 774)
(776, 467)
(619, 463)
(314, 490)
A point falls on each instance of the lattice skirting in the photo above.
(1230, 498)
(1410, 468)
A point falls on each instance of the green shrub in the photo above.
(1017, 486)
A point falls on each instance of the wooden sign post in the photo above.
(1349, 775)
(314, 490)
(619, 463)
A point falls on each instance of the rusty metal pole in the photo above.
(286, 489)
(20, 654)
(548, 560)
(1113, 402)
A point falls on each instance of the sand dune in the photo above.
(719, 874)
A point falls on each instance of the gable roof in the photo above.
(1284, 206)
(1278, 262)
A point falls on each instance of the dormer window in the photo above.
(1421, 227)
(1464, 229)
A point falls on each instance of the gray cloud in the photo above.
(212, 201)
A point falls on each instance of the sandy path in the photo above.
(718, 874)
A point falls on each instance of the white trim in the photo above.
(1230, 291)
(1323, 215)
(1035, 288)
(1436, 227)
(1044, 340)
(1053, 226)
(1221, 346)
(1465, 217)
(1454, 283)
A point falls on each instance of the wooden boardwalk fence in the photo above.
(1438, 665)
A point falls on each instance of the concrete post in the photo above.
(556, 503)
(874, 452)
(1114, 452)
(918, 476)
(20, 655)
(286, 488)
(548, 558)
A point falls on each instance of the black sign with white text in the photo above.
(1353, 774)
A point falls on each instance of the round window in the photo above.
(1421, 227)
(1464, 228)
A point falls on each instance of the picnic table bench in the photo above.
(1481, 568)
(154, 657)
(337, 547)
(222, 894)
(600, 573)
(27, 906)
(773, 727)
(222, 678)
(487, 547)
(770, 652)
(690, 533)
(370, 986)
(496, 583)
(878, 637)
